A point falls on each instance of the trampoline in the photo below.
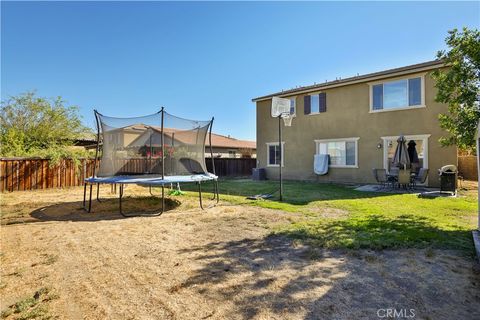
(156, 150)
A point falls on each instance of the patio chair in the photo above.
(421, 177)
(393, 171)
(381, 177)
(392, 176)
(404, 179)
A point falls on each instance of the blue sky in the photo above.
(207, 59)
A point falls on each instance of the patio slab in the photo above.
(379, 188)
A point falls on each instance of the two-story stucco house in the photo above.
(356, 121)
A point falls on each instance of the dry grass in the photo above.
(215, 264)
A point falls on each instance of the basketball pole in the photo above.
(281, 157)
(281, 108)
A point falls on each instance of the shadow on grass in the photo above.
(107, 209)
(276, 278)
(295, 192)
(379, 232)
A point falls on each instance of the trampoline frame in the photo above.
(148, 182)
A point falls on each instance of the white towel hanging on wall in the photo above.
(320, 164)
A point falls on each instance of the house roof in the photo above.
(221, 141)
(229, 142)
(429, 65)
(218, 140)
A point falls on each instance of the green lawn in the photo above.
(337, 216)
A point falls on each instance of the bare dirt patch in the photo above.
(329, 213)
(215, 264)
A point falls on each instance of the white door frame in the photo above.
(423, 137)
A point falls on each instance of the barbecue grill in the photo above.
(448, 178)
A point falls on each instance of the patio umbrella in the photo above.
(412, 152)
(401, 158)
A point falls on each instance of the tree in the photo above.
(459, 86)
(36, 126)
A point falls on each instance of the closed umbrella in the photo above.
(412, 152)
(401, 158)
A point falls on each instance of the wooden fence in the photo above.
(467, 167)
(19, 174)
(230, 167)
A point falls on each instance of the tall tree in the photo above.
(459, 86)
(36, 126)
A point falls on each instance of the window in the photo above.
(232, 153)
(343, 152)
(398, 94)
(293, 106)
(315, 103)
(273, 154)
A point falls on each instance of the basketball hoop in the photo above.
(287, 120)
(280, 106)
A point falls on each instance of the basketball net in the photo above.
(287, 120)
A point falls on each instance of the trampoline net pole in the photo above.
(211, 149)
(98, 143)
(162, 146)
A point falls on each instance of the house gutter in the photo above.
(354, 80)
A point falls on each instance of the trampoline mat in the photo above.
(152, 180)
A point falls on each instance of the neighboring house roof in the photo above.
(218, 141)
(221, 141)
(424, 66)
(84, 142)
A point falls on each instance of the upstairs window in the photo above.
(398, 94)
(293, 106)
(315, 103)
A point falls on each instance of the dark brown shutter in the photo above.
(322, 100)
(307, 109)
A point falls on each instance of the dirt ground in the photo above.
(219, 263)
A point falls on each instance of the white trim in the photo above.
(409, 137)
(282, 155)
(338, 139)
(354, 139)
(397, 109)
(413, 76)
(423, 137)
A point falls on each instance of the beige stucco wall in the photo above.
(348, 115)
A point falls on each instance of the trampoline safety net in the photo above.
(155, 145)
